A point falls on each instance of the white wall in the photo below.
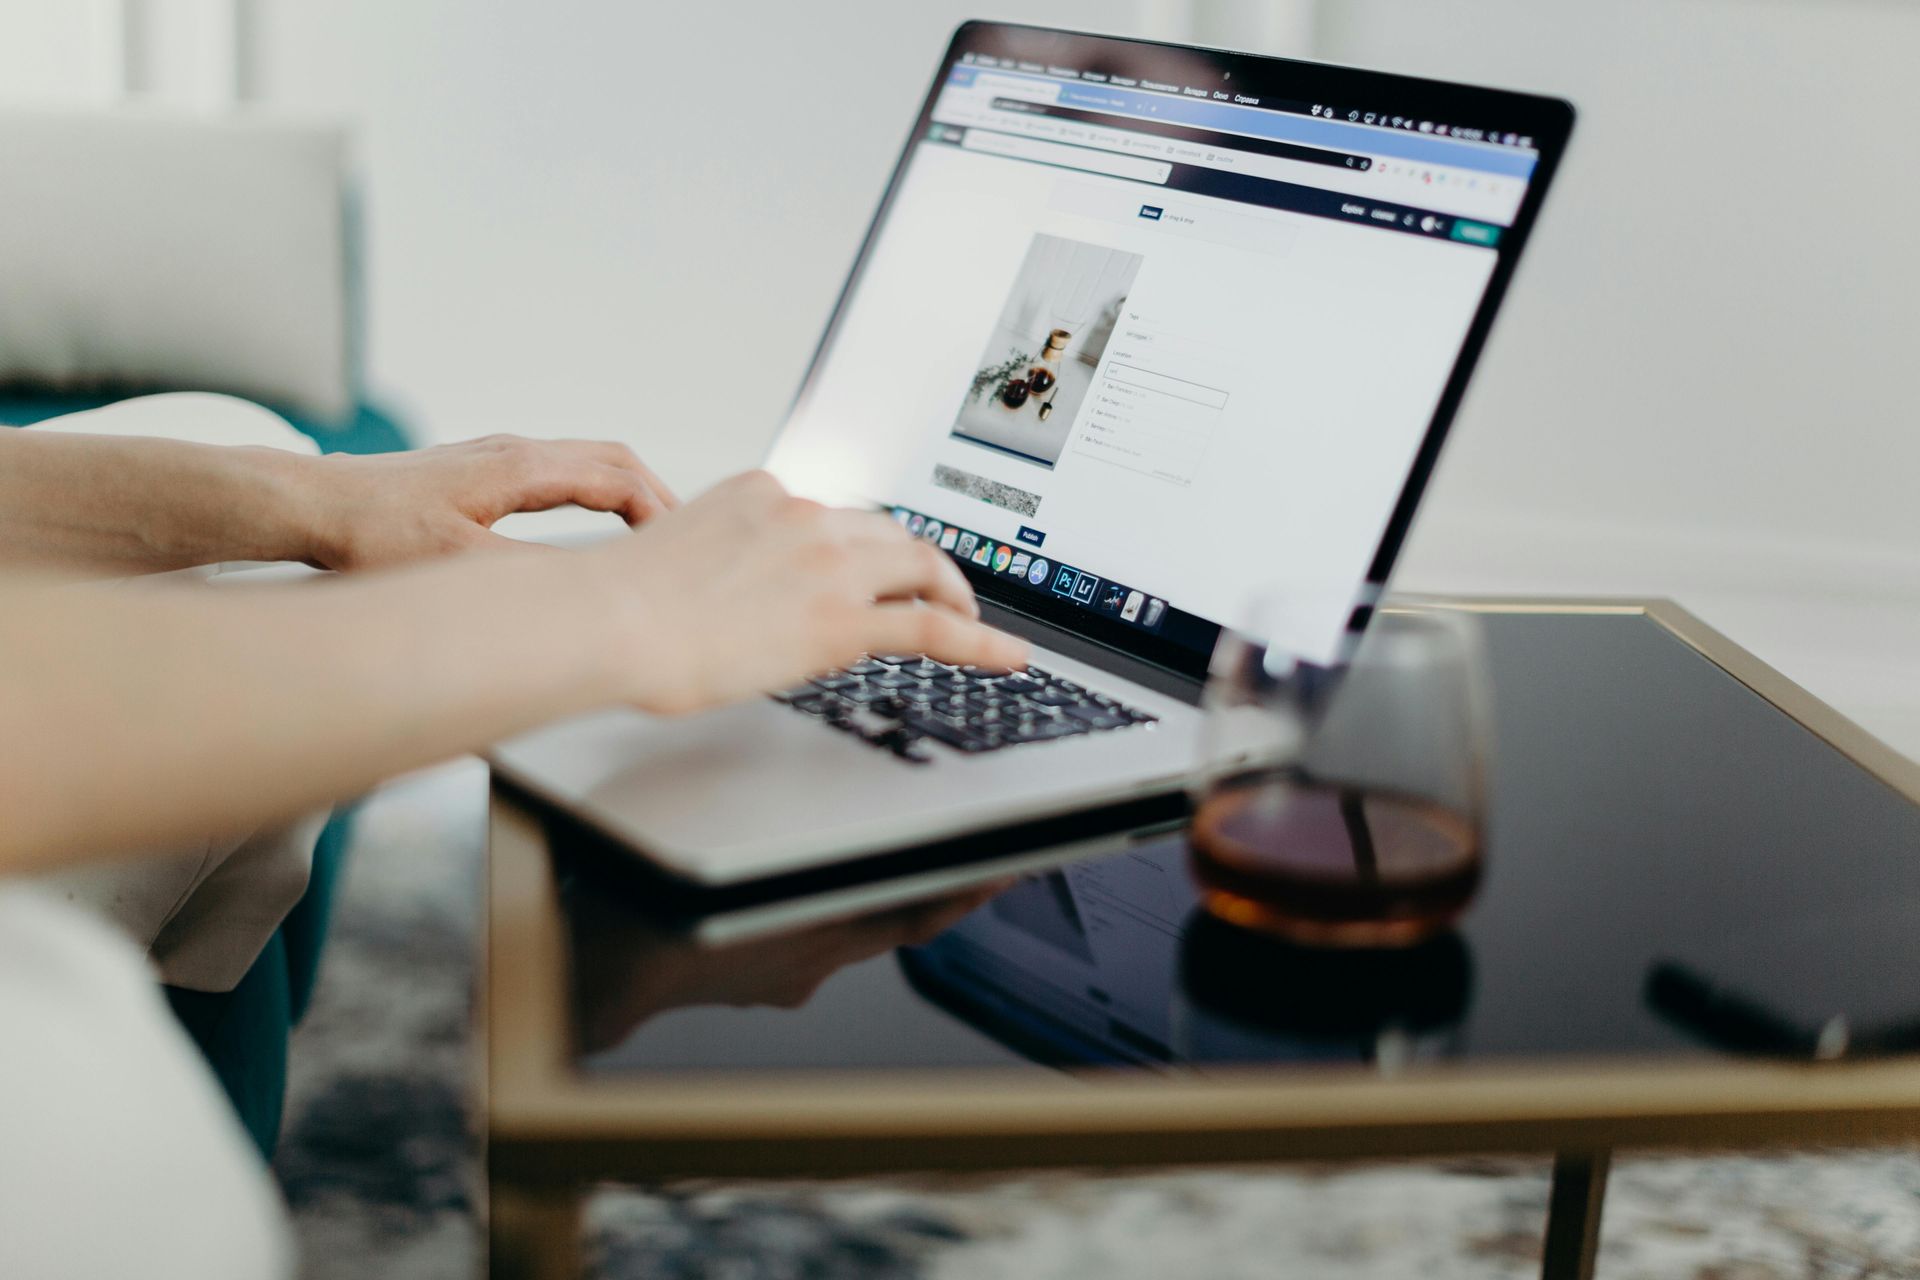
(1714, 324)
(1702, 383)
(1699, 386)
(577, 226)
(68, 52)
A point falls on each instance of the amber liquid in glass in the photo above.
(1333, 866)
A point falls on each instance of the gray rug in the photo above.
(379, 1160)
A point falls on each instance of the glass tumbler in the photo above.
(1344, 805)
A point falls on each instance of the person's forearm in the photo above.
(117, 505)
(143, 713)
(137, 714)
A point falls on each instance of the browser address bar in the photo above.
(1118, 166)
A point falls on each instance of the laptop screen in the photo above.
(1142, 332)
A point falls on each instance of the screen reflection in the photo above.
(629, 967)
(1111, 963)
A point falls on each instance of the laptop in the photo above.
(1138, 331)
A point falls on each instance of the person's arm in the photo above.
(135, 714)
(118, 505)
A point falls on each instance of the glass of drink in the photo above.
(1343, 805)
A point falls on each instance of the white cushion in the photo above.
(121, 1158)
(195, 416)
(151, 250)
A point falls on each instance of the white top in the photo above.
(120, 1156)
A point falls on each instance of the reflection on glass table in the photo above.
(629, 968)
(1626, 824)
(1112, 965)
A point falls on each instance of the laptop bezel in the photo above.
(1548, 120)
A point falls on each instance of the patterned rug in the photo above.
(379, 1159)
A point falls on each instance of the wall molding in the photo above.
(1839, 617)
(1641, 557)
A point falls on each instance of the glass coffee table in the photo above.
(1700, 926)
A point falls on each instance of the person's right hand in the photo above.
(748, 589)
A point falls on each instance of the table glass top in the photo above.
(1674, 869)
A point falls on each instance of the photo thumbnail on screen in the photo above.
(1041, 356)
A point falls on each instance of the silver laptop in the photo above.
(1139, 330)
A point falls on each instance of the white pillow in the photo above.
(147, 250)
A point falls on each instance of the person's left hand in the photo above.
(391, 508)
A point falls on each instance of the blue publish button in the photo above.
(1031, 536)
(1151, 212)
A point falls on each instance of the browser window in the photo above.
(1149, 348)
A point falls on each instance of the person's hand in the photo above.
(367, 512)
(748, 589)
(632, 970)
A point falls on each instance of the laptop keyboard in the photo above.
(899, 701)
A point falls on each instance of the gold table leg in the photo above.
(532, 1235)
(1573, 1215)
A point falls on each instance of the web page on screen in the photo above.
(1149, 358)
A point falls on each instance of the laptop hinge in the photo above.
(1080, 649)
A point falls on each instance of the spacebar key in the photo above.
(947, 730)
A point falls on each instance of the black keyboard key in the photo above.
(1098, 717)
(948, 729)
(970, 709)
(814, 703)
(907, 745)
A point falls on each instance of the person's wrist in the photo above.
(271, 506)
(317, 523)
(628, 651)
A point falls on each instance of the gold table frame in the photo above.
(551, 1132)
